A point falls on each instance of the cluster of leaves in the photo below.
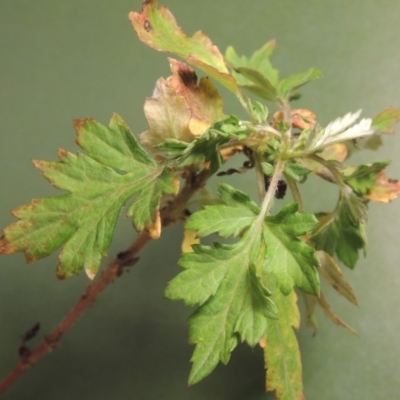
(244, 291)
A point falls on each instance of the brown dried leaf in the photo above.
(323, 303)
(385, 189)
(180, 108)
(301, 118)
(311, 321)
(334, 276)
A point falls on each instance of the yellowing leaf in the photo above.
(384, 121)
(301, 118)
(99, 183)
(385, 189)
(311, 319)
(180, 108)
(281, 352)
(189, 238)
(157, 28)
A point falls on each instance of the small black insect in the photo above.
(281, 188)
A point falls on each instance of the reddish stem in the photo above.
(169, 216)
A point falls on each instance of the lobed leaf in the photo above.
(288, 85)
(236, 213)
(291, 261)
(363, 177)
(260, 85)
(99, 183)
(259, 61)
(206, 148)
(339, 130)
(234, 303)
(180, 109)
(343, 231)
(281, 352)
(230, 282)
(157, 28)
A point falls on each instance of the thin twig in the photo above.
(169, 216)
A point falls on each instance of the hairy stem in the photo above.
(169, 216)
(269, 196)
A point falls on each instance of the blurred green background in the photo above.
(77, 58)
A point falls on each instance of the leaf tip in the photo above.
(78, 124)
(38, 164)
(90, 273)
(155, 228)
(60, 274)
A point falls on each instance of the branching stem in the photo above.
(169, 216)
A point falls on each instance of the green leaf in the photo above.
(343, 231)
(235, 304)
(260, 86)
(281, 353)
(384, 121)
(363, 177)
(259, 112)
(99, 183)
(288, 259)
(207, 146)
(172, 147)
(236, 213)
(157, 28)
(293, 82)
(296, 171)
(259, 61)
(267, 168)
(230, 282)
